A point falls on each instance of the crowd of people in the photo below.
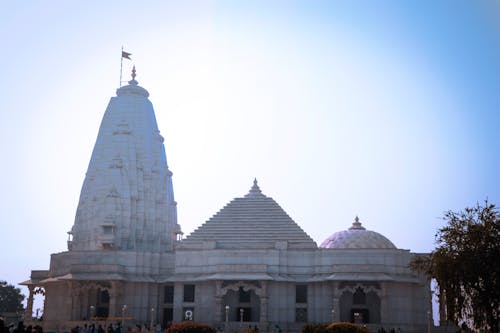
(116, 328)
(392, 330)
(86, 328)
(20, 328)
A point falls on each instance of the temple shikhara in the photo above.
(249, 264)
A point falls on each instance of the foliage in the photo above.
(313, 328)
(251, 329)
(10, 298)
(465, 266)
(334, 328)
(346, 328)
(190, 327)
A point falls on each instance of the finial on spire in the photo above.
(255, 190)
(356, 225)
(133, 73)
(133, 81)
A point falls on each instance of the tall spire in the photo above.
(127, 199)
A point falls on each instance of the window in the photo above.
(301, 293)
(244, 296)
(189, 293)
(169, 295)
(301, 315)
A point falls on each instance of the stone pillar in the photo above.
(384, 304)
(335, 303)
(178, 300)
(44, 301)
(28, 314)
(263, 311)
(218, 307)
(75, 301)
(85, 303)
(69, 303)
(263, 305)
(116, 300)
(218, 302)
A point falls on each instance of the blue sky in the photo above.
(388, 110)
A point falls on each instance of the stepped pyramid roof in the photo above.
(253, 221)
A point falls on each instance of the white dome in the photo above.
(357, 237)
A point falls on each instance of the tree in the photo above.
(10, 298)
(466, 266)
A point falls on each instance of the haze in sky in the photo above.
(384, 109)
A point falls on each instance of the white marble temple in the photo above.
(250, 262)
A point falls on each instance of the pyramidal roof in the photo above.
(253, 221)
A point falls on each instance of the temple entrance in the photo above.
(99, 297)
(241, 304)
(360, 305)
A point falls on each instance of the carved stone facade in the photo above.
(250, 264)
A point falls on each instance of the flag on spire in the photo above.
(126, 55)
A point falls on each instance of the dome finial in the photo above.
(356, 225)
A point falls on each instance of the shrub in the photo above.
(190, 327)
(346, 328)
(313, 328)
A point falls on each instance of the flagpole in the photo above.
(121, 67)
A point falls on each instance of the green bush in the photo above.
(313, 328)
(190, 327)
(346, 328)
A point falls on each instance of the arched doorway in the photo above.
(360, 304)
(240, 301)
(99, 303)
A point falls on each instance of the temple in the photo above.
(249, 264)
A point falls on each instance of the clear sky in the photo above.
(388, 110)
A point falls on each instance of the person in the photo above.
(3, 329)
(100, 329)
(20, 328)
